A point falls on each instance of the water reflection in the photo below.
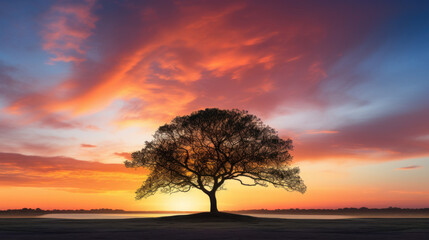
(155, 215)
(293, 216)
(107, 215)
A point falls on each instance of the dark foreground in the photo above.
(224, 226)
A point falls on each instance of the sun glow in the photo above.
(185, 202)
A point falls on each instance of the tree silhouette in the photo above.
(211, 146)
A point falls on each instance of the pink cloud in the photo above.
(87, 145)
(234, 55)
(68, 25)
(183, 57)
(67, 173)
(412, 167)
(321, 132)
(391, 137)
(124, 155)
(9, 86)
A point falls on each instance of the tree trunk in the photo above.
(213, 202)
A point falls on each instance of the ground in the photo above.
(222, 226)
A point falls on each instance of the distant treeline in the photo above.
(341, 211)
(38, 211)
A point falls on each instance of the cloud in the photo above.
(391, 137)
(60, 122)
(68, 173)
(321, 132)
(87, 145)
(272, 60)
(10, 86)
(408, 193)
(185, 57)
(124, 155)
(67, 26)
(410, 167)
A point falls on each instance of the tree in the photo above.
(211, 146)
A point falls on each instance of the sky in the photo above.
(85, 83)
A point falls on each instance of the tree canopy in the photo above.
(208, 147)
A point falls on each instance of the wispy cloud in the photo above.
(321, 132)
(184, 57)
(124, 155)
(411, 192)
(412, 167)
(84, 145)
(62, 172)
(68, 25)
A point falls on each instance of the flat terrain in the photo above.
(224, 226)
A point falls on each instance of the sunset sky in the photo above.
(84, 83)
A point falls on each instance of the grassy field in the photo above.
(202, 226)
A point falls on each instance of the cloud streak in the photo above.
(68, 25)
(199, 55)
(124, 155)
(62, 172)
(282, 60)
(84, 145)
(412, 167)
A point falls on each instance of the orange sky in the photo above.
(85, 83)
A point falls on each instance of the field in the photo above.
(201, 226)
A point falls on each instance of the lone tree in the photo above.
(211, 146)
